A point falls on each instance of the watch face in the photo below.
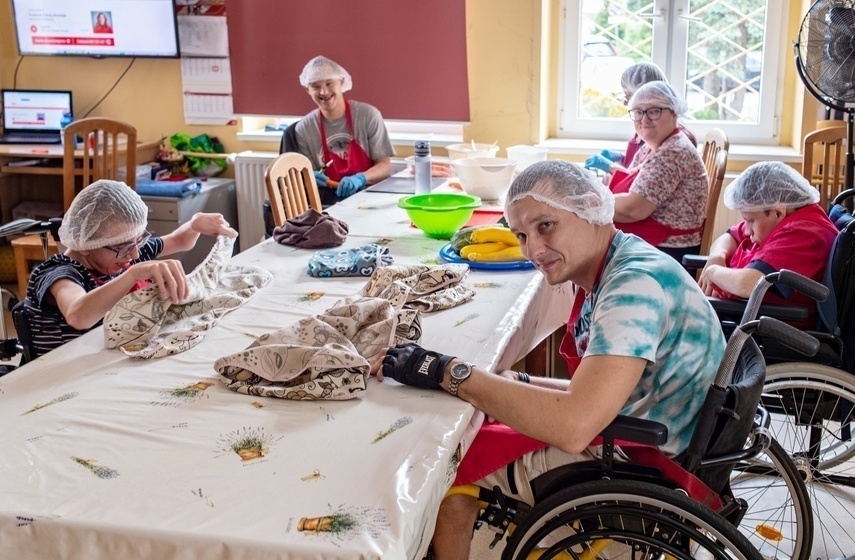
(461, 370)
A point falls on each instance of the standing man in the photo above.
(346, 141)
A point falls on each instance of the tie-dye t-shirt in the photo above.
(647, 306)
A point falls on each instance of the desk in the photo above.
(50, 165)
(105, 457)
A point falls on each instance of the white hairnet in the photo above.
(104, 213)
(322, 68)
(659, 94)
(565, 186)
(639, 74)
(767, 185)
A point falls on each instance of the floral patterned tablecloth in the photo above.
(107, 457)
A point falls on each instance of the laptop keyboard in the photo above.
(19, 138)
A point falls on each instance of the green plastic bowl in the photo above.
(440, 215)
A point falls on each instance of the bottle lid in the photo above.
(422, 148)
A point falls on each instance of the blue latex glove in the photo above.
(598, 162)
(321, 179)
(349, 185)
(616, 157)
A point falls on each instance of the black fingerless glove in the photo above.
(412, 365)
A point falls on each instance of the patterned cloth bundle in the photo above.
(360, 261)
(145, 325)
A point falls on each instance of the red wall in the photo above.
(407, 58)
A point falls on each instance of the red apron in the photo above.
(497, 445)
(354, 161)
(648, 229)
(138, 285)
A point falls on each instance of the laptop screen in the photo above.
(35, 111)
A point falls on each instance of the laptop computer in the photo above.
(34, 116)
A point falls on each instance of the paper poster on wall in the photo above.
(205, 68)
(208, 108)
(203, 35)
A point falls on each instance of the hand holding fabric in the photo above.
(211, 224)
(321, 179)
(613, 155)
(412, 365)
(598, 162)
(349, 185)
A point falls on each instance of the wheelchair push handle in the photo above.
(768, 327)
(803, 284)
(791, 336)
(785, 277)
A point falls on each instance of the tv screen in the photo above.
(144, 28)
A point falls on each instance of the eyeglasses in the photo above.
(653, 114)
(123, 251)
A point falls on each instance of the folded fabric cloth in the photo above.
(423, 287)
(323, 357)
(312, 230)
(174, 189)
(361, 261)
(145, 325)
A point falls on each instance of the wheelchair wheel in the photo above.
(778, 520)
(608, 519)
(813, 412)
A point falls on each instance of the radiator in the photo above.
(251, 194)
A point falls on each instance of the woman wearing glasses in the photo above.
(662, 196)
(109, 254)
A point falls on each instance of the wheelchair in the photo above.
(734, 493)
(811, 401)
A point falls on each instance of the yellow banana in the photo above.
(481, 248)
(495, 234)
(504, 255)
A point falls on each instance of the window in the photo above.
(724, 56)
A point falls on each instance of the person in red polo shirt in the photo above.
(782, 227)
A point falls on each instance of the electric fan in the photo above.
(825, 60)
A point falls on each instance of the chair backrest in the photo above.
(289, 139)
(716, 146)
(824, 159)
(23, 331)
(836, 311)
(291, 187)
(727, 415)
(107, 146)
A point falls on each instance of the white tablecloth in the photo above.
(108, 457)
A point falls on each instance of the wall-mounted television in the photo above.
(97, 28)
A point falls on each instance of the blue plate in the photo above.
(449, 255)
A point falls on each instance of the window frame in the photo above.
(665, 31)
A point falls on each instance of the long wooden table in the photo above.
(106, 457)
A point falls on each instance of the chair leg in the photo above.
(22, 271)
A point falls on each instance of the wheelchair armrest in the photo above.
(637, 430)
(694, 262)
(786, 313)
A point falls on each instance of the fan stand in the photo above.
(849, 171)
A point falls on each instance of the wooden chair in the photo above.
(716, 146)
(107, 145)
(291, 187)
(824, 160)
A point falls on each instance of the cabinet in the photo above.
(165, 214)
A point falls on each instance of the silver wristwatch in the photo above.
(460, 372)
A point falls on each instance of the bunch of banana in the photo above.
(492, 244)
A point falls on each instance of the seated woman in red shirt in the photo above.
(782, 227)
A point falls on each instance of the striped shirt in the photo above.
(47, 324)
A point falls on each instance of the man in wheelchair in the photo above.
(783, 227)
(642, 341)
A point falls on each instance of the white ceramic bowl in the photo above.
(526, 155)
(457, 151)
(488, 178)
